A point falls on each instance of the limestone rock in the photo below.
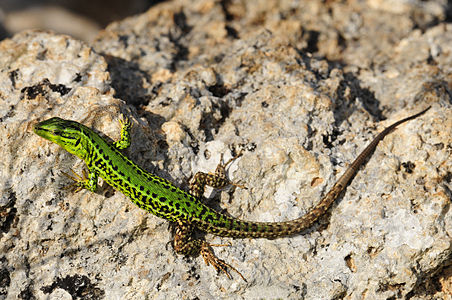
(199, 79)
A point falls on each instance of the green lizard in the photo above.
(161, 198)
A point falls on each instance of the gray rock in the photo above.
(199, 80)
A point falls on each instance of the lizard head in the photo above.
(67, 134)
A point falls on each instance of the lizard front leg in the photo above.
(124, 141)
(86, 181)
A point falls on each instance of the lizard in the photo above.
(165, 200)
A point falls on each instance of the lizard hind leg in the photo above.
(185, 244)
(218, 180)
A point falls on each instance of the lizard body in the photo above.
(163, 199)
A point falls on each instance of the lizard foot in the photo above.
(219, 264)
(79, 181)
(220, 171)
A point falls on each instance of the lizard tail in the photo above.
(231, 227)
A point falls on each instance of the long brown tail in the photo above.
(241, 229)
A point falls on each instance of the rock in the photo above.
(199, 79)
(51, 18)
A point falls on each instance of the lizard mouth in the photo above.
(38, 129)
(43, 131)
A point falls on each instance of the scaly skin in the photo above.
(161, 198)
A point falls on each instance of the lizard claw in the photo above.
(220, 171)
(218, 264)
(124, 121)
(79, 181)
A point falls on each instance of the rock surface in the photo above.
(301, 87)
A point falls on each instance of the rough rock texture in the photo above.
(301, 87)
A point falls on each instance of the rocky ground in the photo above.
(300, 87)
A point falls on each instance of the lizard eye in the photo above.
(56, 132)
(62, 133)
